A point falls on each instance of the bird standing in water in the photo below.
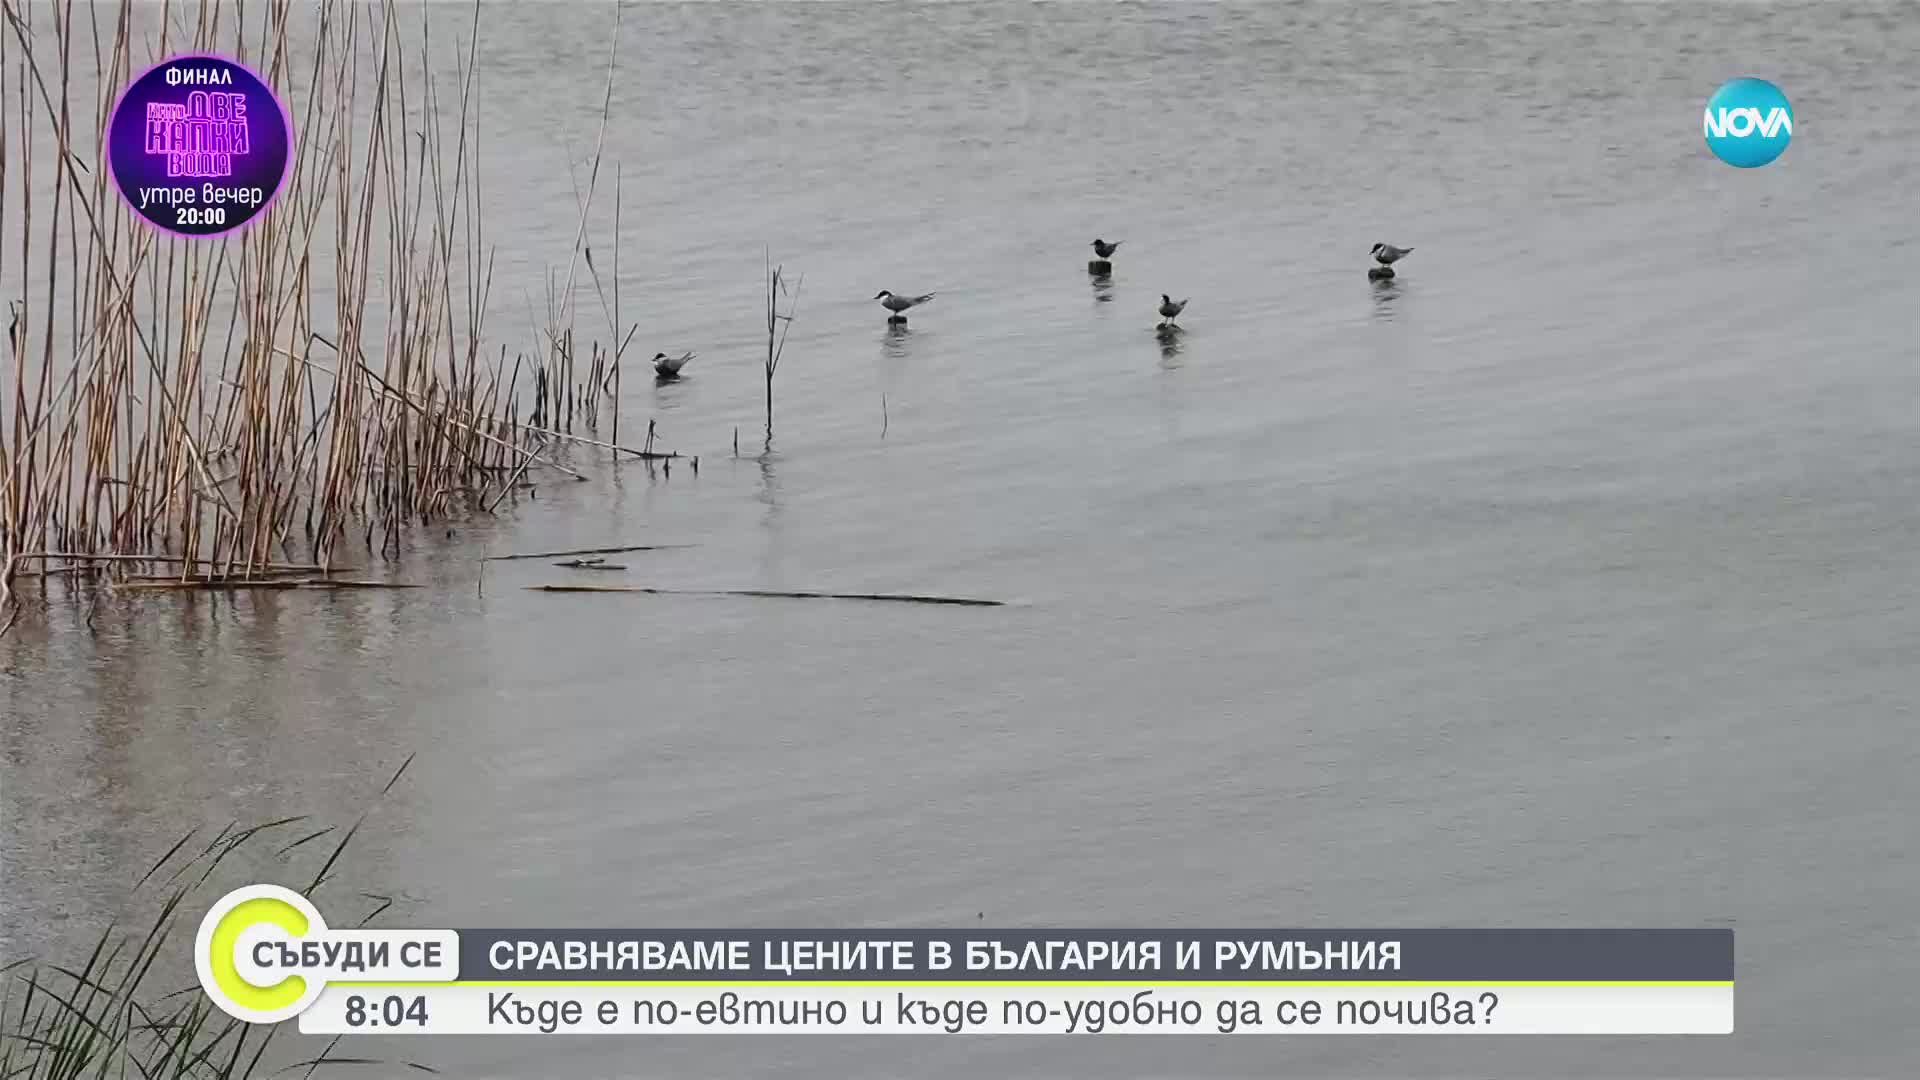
(898, 304)
(668, 367)
(1106, 250)
(1387, 254)
(1170, 309)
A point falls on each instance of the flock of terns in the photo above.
(897, 305)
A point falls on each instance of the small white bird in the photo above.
(1106, 250)
(1170, 309)
(1388, 254)
(668, 367)
(898, 304)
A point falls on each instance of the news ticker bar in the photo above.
(1110, 954)
(884, 956)
(264, 955)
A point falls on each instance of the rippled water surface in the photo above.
(1568, 580)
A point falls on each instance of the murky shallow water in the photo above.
(1569, 581)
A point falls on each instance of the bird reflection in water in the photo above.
(1384, 293)
(894, 344)
(1169, 337)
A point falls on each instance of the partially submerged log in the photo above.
(588, 564)
(585, 551)
(117, 558)
(204, 584)
(901, 598)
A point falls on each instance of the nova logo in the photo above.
(1748, 123)
(1741, 123)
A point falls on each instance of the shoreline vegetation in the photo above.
(104, 1017)
(243, 409)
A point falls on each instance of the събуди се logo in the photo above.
(257, 913)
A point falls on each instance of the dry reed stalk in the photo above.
(778, 324)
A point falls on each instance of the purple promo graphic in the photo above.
(199, 145)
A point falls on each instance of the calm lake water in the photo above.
(1570, 580)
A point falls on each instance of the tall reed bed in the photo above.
(242, 406)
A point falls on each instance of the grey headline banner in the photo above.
(1082, 955)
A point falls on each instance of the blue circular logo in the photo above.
(1748, 123)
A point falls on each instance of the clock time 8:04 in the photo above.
(386, 1012)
